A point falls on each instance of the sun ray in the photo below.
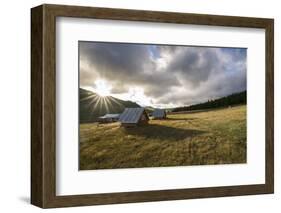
(117, 102)
(95, 105)
(96, 98)
(88, 97)
(108, 104)
(105, 104)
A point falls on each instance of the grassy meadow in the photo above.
(195, 138)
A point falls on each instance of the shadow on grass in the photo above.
(156, 131)
(180, 119)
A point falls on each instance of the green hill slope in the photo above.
(93, 106)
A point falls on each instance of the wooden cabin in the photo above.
(159, 114)
(108, 118)
(133, 117)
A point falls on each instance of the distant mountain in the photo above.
(93, 106)
(230, 100)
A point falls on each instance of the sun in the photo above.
(102, 88)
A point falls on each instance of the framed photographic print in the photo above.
(136, 106)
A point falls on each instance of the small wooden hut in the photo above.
(133, 117)
(108, 118)
(159, 114)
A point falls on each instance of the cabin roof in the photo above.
(159, 113)
(131, 115)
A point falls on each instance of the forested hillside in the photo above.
(234, 99)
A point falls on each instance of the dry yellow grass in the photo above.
(201, 138)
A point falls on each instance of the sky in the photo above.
(161, 75)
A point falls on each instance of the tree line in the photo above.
(230, 100)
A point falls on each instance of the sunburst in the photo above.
(102, 88)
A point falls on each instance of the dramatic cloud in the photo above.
(126, 64)
(166, 75)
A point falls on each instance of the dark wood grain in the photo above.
(269, 117)
(36, 106)
(43, 105)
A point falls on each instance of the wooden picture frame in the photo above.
(43, 105)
